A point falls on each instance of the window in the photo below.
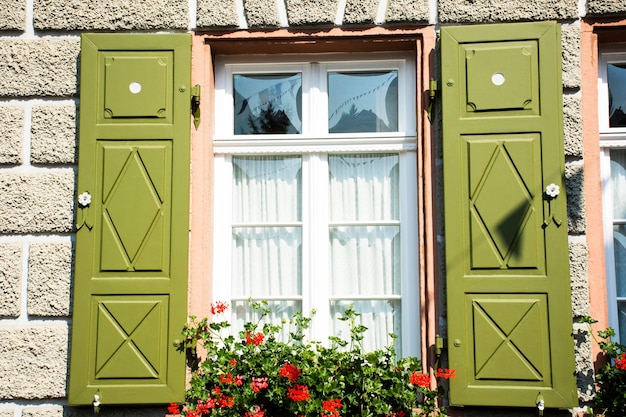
(612, 120)
(315, 185)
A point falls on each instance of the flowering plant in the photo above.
(257, 374)
(610, 398)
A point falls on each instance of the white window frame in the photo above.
(314, 143)
(610, 138)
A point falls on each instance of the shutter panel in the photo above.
(130, 289)
(508, 288)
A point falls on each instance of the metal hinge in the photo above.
(195, 105)
(432, 93)
(440, 344)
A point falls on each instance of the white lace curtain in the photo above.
(363, 243)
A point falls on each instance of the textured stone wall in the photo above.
(39, 84)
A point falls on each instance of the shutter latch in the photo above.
(195, 105)
(432, 93)
(540, 404)
(96, 402)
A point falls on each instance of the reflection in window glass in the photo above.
(617, 94)
(268, 103)
(363, 102)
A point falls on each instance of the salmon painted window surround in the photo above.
(210, 49)
(598, 37)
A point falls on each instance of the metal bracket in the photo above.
(433, 88)
(195, 105)
(440, 344)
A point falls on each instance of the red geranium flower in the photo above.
(254, 338)
(332, 407)
(420, 379)
(620, 363)
(446, 373)
(298, 393)
(173, 408)
(218, 307)
(289, 371)
(225, 401)
(204, 407)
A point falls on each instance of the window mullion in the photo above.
(223, 229)
(318, 106)
(317, 195)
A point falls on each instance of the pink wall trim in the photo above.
(590, 42)
(205, 45)
(201, 218)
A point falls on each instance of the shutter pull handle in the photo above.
(552, 192)
(83, 217)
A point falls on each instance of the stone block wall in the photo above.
(39, 111)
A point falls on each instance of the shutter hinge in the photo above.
(195, 105)
(433, 88)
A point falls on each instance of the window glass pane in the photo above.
(268, 103)
(381, 317)
(619, 250)
(618, 183)
(266, 253)
(621, 315)
(363, 101)
(617, 94)
(267, 189)
(364, 187)
(266, 261)
(365, 260)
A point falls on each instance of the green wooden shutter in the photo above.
(130, 289)
(508, 287)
